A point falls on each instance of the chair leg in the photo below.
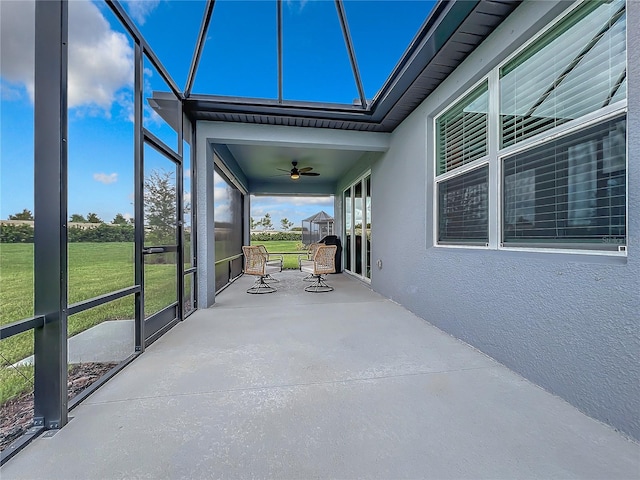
(319, 285)
(269, 278)
(310, 277)
(261, 287)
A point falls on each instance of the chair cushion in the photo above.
(271, 269)
(307, 268)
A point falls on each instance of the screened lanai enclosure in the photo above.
(135, 167)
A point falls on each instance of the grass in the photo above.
(94, 269)
(291, 249)
(15, 381)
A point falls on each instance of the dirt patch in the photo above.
(17, 413)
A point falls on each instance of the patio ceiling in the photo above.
(260, 164)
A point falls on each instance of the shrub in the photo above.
(276, 237)
(102, 233)
(16, 233)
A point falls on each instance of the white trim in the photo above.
(566, 128)
(466, 247)
(495, 167)
(571, 251)
(463, 169)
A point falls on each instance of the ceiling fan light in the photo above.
(295, 176)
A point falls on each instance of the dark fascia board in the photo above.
(443, 22)
(256, 106)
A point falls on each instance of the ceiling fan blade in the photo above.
(310, 174)
(305, 169)
(282, 170)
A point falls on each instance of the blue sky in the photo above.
(239, 59)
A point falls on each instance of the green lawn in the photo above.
(291, 249)
(94, 269)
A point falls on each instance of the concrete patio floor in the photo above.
(345, 384)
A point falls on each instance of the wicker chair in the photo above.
(324, 261)
(307, 259)
(255, 263)
(273, 260)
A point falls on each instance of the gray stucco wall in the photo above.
(569, 323)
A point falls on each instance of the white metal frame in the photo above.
(352, 247)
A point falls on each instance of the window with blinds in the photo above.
(576, 68)
(561, 188)
(569, 192)
(461, 131)
(464, 205)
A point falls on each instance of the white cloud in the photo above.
(127, 216)
(300, 3)
(222, 213)
(100, 59)
(17, 31)
(141, 9)
(220, 195)
(8, 92)
(105, 178)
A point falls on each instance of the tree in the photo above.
(76, 217)
(160, 207)
(93, 218)
(253, 224)
(24, 215)
(286, 224)
(266, 222)
(119, 220)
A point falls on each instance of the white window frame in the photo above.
(351, 189)
(478, 163)
(496, 155)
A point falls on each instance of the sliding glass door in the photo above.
(357, 227)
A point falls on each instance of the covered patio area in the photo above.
(346, 384)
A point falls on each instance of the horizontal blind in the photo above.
(576, 68)
(462, 131)
(463, 205)
(570, 190)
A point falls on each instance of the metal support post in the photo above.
(50, 242)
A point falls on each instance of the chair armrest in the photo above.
(306, 264)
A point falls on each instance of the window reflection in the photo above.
(228, 214)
